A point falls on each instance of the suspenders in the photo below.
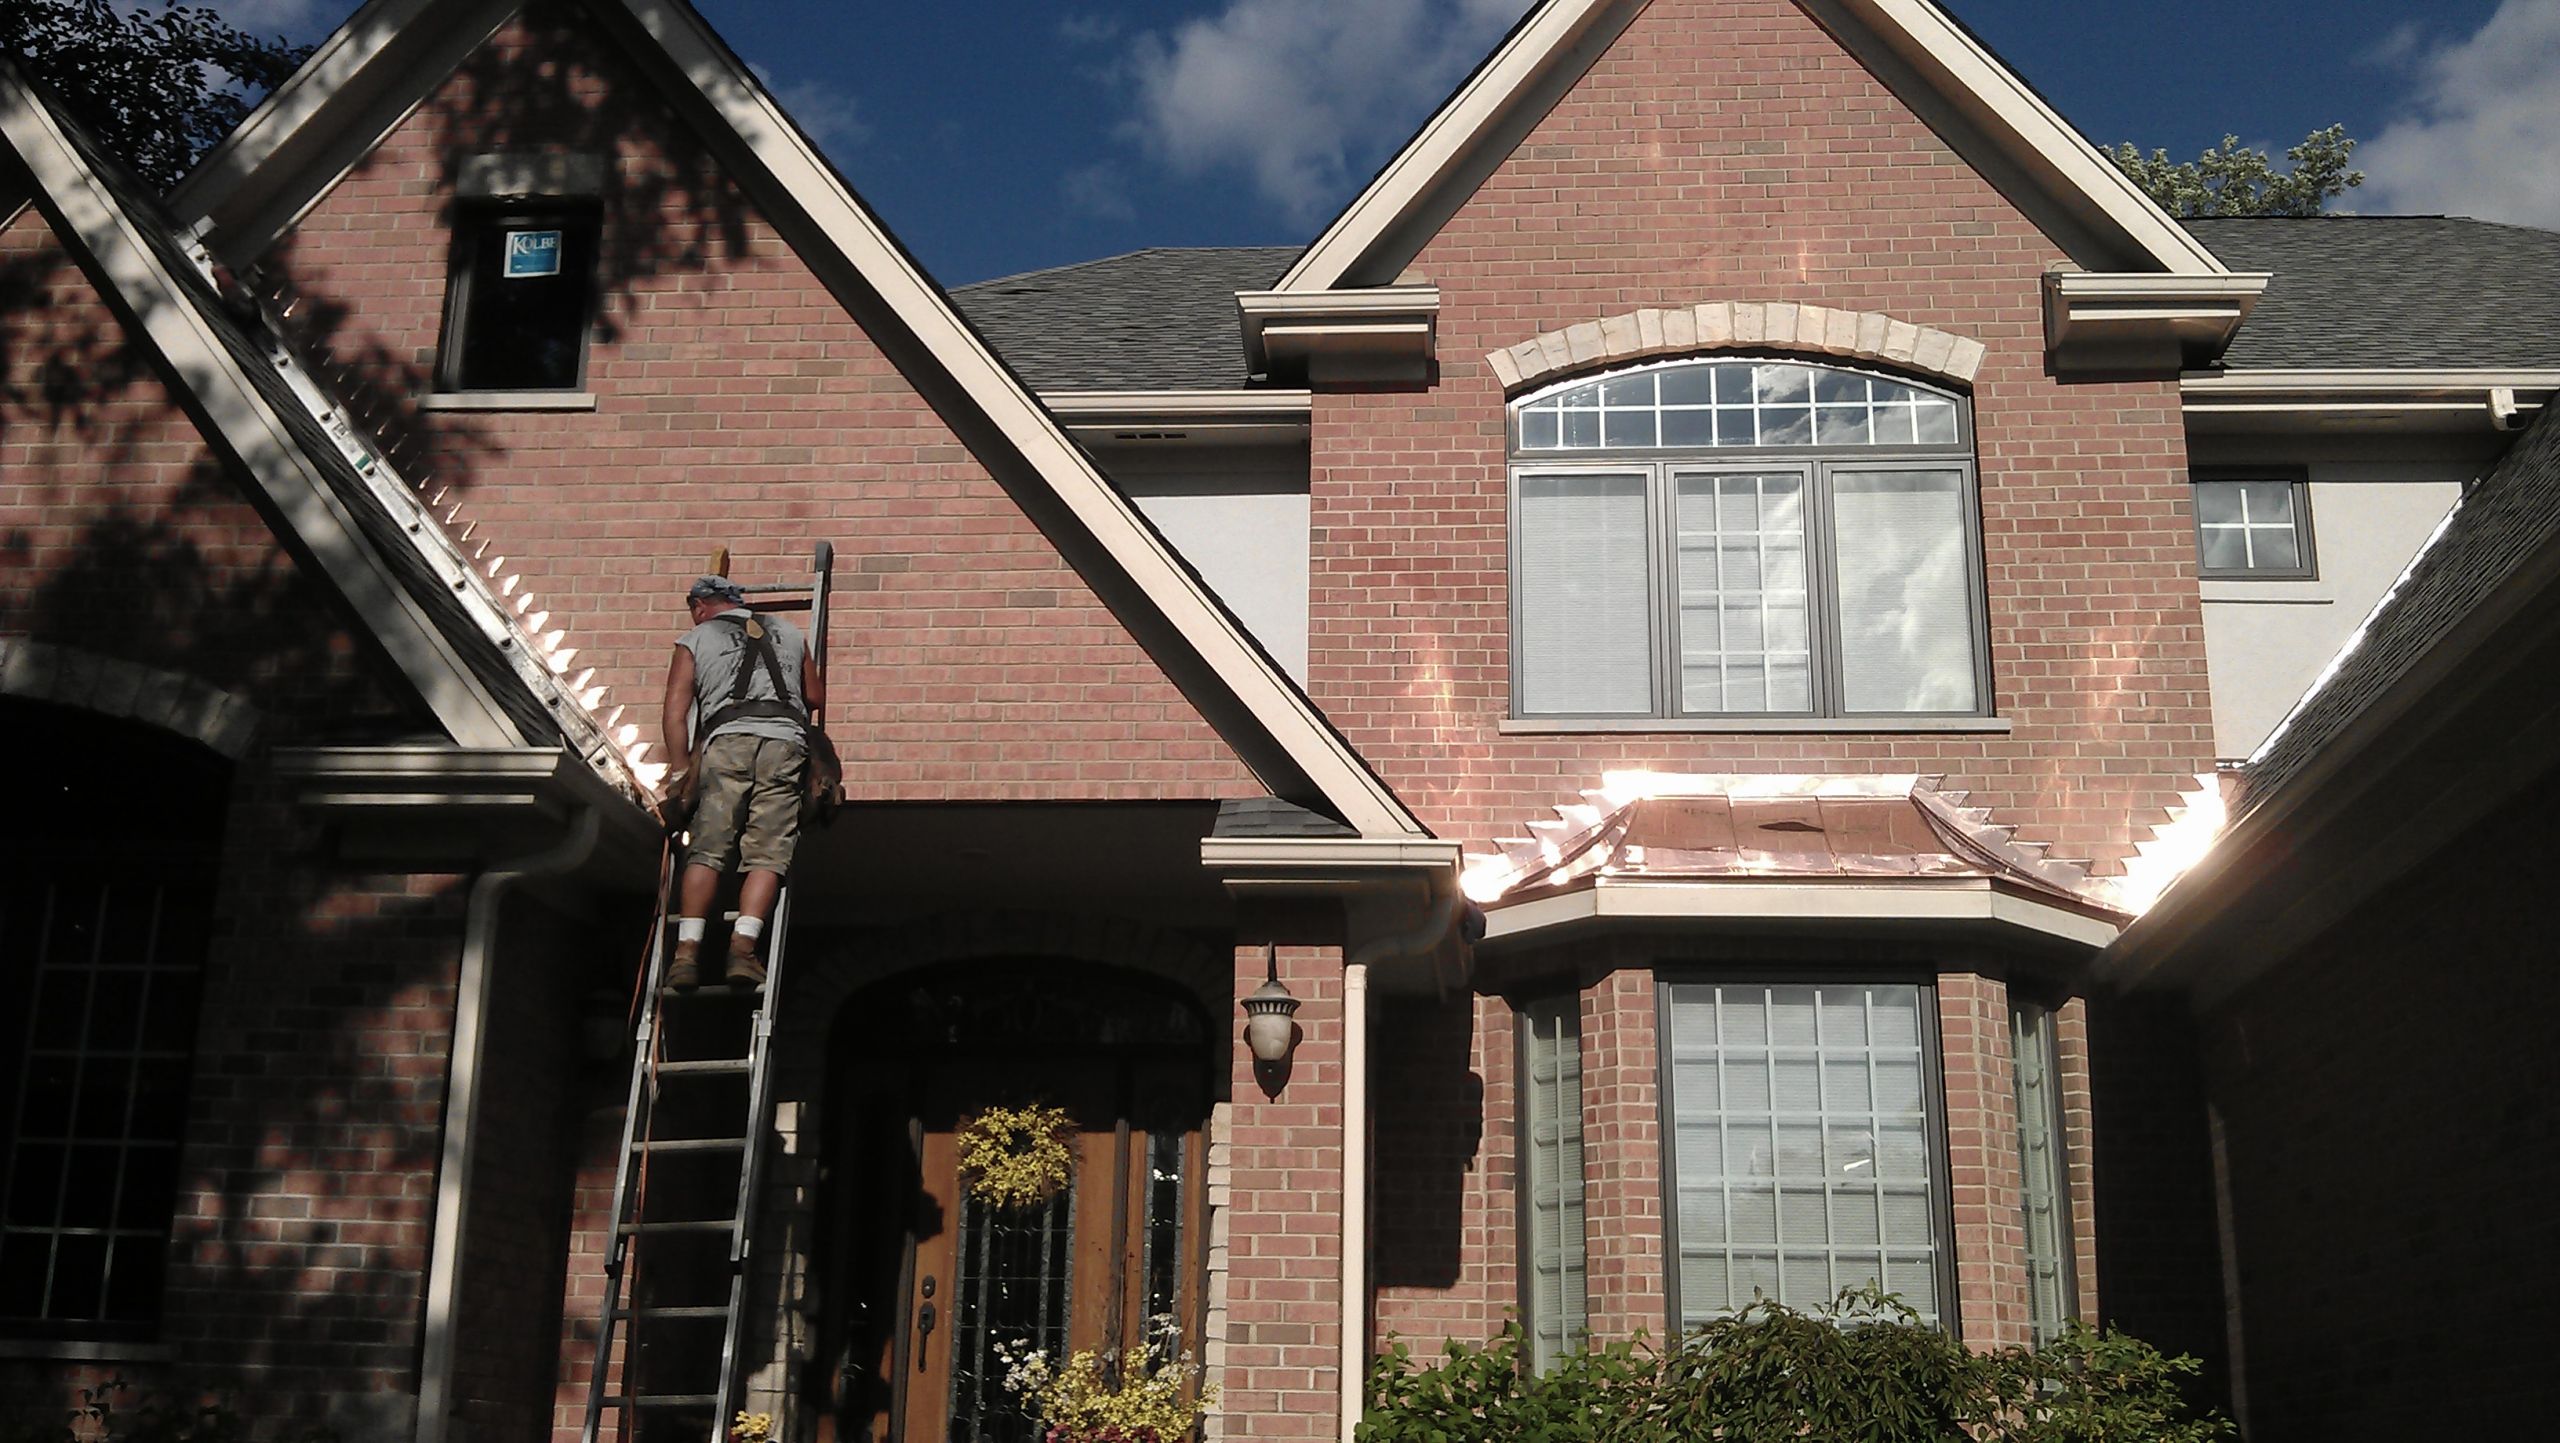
(738, 704)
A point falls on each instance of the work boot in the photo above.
(685, 973)
(746, 969)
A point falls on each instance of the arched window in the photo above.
(1740, 537)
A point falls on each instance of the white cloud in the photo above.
(1305, 96)
(828, 115)
(2481, 124)
(1100, 191)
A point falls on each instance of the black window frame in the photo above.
(472, 220)
(2306, 549)
(1663, 468)
(1933, 1092)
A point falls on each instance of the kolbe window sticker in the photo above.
(532, 253)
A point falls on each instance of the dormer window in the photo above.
(1735, 538)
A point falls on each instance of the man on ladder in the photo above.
(744, 686)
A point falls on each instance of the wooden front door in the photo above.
(923, 1284)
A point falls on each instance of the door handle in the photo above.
(926, 1316)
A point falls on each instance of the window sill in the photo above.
(2288, 592)
(508, 401)
(1808, 725)
(86, 1350)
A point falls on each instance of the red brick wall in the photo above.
(1443, 1169)
(1730, 150)
(124, 536)
(1984, 1182)
(1622, 1152)
(2393, 1144)
(308, 1178)
(738, 404)
(1282, 1374)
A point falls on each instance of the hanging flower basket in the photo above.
(1017, 1157)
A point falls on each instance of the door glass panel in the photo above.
(1010, 1289)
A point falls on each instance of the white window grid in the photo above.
(1554, 1198)
(1723, 404)
(2265, 507)
(1746, 619)
(1796, 1202)
(104, 1052)
(2040, 1158)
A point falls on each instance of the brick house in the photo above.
(1748, 507)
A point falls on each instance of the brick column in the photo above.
(1983, 1176)
(1278, 1363)
(1622, 1156)
(2071, 1054)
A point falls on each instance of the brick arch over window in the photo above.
(1722, 325)
(173, 702)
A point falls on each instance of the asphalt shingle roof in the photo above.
(2399, 292)
(1151, 320)
(2508, 519)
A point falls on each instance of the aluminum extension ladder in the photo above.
(695, 1124)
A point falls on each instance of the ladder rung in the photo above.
(705, 1313)
(703, 1067)
(684, 1225)
(671, 1400)
(692, 1144)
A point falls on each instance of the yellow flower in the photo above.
(1017, 1157)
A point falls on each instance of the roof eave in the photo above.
(2143, 323)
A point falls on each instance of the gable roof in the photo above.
(1150, 320)
(1206, 653)
(354, 523)
(2392, 292)
(1385, 226)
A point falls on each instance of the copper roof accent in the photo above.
(1645, 827)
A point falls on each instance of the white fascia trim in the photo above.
(1442, 143)
(1259, 407)
(2017, 118)
(1237, 856)
(253, 433)
(2025, 121)
(1939, 901)
(2366, 384)
(332, 64)
(1113, 522)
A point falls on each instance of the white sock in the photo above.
(749, 927)
(690, 929)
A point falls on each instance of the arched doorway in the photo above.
(921, 1283)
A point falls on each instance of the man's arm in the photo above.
(675, 711)
(813, 688)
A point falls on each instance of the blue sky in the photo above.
(1000, 137)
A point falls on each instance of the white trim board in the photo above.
(1919, 901)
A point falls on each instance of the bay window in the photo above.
(1737, 538)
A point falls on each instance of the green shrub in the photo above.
(1863, 1370)
(117, 1412)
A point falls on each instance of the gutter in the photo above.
(489, 896)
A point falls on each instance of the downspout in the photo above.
(462, 1109)
(1450, 915)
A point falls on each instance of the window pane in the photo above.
(1688, 385)
(1824, 1179)
(1907, 625)
(523, 316)
(2040, 1156)
(2272, 548)
(2267, 503)
(2218, 503)
(1586, 643)
(1552, 1128)
(2226, 548)
(1538, 430)
(1743, 643)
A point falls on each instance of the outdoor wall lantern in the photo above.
(1268, 1030)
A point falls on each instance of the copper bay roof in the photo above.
(1650, 827)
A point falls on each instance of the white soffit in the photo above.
(2027, 132)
